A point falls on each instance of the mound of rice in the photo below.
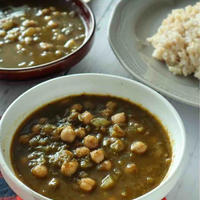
(177, 41)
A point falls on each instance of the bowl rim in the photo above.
(167, 179)
(90, 34)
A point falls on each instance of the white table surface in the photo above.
(102, 60)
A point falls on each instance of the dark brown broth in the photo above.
(47, 43)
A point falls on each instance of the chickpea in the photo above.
(80, 132)
(29, 32)
(31, 63)
(117, 146)
(2, 33)
(45, 11)
(105, 165)
(44, 53)
(64, 13)
(36, 39)
(117, 132)
(28, 40)
(39, 171)
(8, 24)
(140, 129)
(130, 168)
(87, 184)
(46, 46)
(124, 193)
(97, 155)
(38, 29)
(11, 37)
(20, 38)
(82, 151)
(56, 132)
(48, 128)
(21, 50)
(69, 168)
(61, 37)
(54, 38)
(56, 13)
(138, 147)
(70, 44)
(36, 128)
(29, 23)
(106, 112)
(111, 105)
(7, 42)
(22, 17)
(47, 18)
(91, 142)
(19, 47)
(80, 28)
(55, 31)
(22, 28)
(68, 134)
(67, 154)
(118, 118)
(52, 24)
(58, 53)
(67, 31)
(86, 117)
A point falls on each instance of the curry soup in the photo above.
(35, 34)
(91, 147)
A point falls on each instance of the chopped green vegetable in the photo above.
(117, 146)
(131, 130)
(99, 121)
(108, 182)
(86, 163)
(116, 131)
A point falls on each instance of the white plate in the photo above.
(132, 22)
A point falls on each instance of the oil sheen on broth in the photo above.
(91, 147)
(32, 35)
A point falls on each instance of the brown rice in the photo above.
(177, 41)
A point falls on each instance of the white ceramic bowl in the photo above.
(93, 84)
